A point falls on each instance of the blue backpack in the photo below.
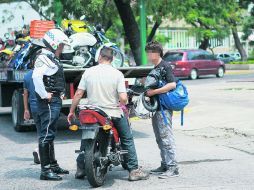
(176, 99)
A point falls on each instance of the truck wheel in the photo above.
(17, 110)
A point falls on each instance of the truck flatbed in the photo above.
(71, 75)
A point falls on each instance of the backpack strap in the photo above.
(182, 113)
(164, 116)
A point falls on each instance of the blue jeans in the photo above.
(127, 143)
(37, 122)
(48, 114)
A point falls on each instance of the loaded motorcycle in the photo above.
(81, 53)
(84, 45)
(6, 47)
(24, 57)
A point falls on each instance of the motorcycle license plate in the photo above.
(89, 133)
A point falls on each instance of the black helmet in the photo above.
(151, 104)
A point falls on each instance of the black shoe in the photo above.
(159, 170)
(36, 157)
(46, 172)
(171, 172)
(80, 173)
(53, 162)
(58, 170)
(49, 175)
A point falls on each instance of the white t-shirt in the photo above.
(103, 83)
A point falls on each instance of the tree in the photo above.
(207, 19)
(234, 19)
(248, 22)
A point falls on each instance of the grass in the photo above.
(242, 62)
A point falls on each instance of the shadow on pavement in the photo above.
(111, 176)
(202, 161)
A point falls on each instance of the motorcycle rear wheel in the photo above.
(95, 148)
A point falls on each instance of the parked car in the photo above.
(194, 63)
(236, 56)
(225, 57)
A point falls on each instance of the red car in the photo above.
(194, 63)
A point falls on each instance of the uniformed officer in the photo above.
(48, 78)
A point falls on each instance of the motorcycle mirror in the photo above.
(83, 17)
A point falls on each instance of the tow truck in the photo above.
(11, 90)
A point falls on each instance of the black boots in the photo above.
(46, 172)
(53, 162)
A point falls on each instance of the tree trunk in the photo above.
(238, 44)
(204, 44)
(153, 31)
(130, 28)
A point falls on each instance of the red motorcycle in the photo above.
(102, 144)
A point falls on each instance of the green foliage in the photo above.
(242, 62)
(210, 18)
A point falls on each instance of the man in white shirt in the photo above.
(48, 78)
(105, 88)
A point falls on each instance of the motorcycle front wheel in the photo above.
(94, 149)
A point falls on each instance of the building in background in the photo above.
(179, 37)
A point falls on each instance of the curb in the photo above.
(238, 72)
(239, 66)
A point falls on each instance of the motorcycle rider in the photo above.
(105, 87)
(163, 133)
(48, 78)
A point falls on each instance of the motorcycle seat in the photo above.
(95, 108)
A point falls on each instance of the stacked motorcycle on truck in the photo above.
(85, 40)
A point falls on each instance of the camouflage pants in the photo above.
(165, 138)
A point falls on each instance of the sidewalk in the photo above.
(239, 72)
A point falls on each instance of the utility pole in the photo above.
(142, 31)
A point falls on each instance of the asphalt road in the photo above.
(215, 147)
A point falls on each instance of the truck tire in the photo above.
(17, 110)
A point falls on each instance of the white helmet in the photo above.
(54, 37)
